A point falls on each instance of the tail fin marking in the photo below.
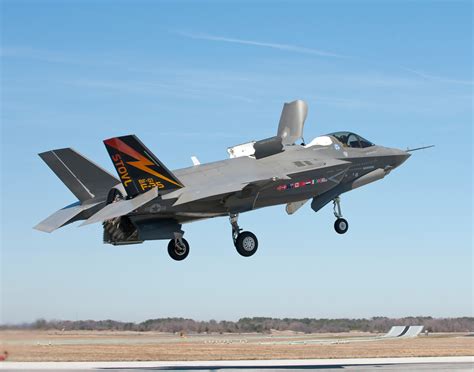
(138, 169)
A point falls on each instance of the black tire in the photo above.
(341, 226)
(246, 244)
(178, 254)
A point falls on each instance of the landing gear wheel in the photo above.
(178, 250)
(341, 226)
(246, 244)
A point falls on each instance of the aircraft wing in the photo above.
(67, 215)
(122, 207)
(189, 194)
(192, 193)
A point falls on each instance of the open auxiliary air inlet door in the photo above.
(290, 129)
(292, 121)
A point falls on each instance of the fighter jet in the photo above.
(150, 202)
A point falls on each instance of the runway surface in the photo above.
(438, 364)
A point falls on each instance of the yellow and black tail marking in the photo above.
(138, 169)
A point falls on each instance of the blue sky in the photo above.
(195, 78)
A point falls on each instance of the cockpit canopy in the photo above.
(353, 140)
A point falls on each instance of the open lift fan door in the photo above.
(292, 121)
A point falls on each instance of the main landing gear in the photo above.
(178, 248)
(341, 225)
(245, 242)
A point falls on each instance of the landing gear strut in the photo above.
(341, 225)
(178, 248)
(245, 242)
(119, 230)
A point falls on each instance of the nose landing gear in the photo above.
(245, 242)
(340, 225)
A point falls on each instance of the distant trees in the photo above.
(256, 325)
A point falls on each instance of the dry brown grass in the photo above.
(123, 346)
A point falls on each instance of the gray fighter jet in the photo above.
(150, 202)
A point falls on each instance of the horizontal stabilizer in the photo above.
(67, 215)
(123, 207)
(85, 179)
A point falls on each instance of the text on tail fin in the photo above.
(138, 169)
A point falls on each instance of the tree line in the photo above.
(256, 324)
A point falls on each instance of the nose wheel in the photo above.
(340, 225)
(245, 242)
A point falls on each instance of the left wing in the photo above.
(68, 214)
(122, 207)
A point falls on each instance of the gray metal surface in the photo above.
(67, 215)
(84, 178)
(122, 207)
(293, 116)
(322, 170)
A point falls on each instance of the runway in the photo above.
(439, 364)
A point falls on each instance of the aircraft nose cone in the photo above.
(401, 157)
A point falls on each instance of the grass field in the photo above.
(133, 346)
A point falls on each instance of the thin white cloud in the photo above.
(440, 79)
(284, 47)
(153, 88)
(54, 56)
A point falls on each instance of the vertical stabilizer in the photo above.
(138, 169)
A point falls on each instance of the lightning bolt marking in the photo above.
(141, 162)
